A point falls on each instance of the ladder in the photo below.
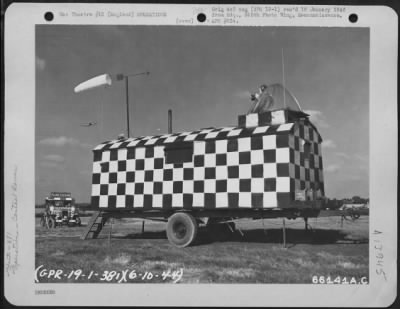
(95, 225)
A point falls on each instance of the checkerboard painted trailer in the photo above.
(268, 166)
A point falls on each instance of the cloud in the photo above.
(328, 143)
(40, 64)
(54, 158)
(332, 168)
(61, 141)
(317, 118)
(343, 155)
(51, 164)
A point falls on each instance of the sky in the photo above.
(205, 75)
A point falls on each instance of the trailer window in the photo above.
(178, 153)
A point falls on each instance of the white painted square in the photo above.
(177, 174)
(188, 164)
(121, 177)
(105, 157)
(270, 200)
(291, 141)
(187, 186)
(221, 200)
(104, 178)
(157, 200)
(257, 156)
(190, 137)
(227, 129)
(159, 152)
(262, 129)
(139, 176)
(151, 141)
(312, 176)
(138, 200)
(244, 144)
(245, 171)
(120, 201)
(257, 185)
(282, 155)
(270, 170)
(133, 143)
(103, 202)
(221, 172)
(321, 176)
(209, 160)
(96, 167)
(168, 187)
(306, 133)
(185, 133)
(115, 145)
(199, 148)
(139, 153)
(211, 135)
(99, 147)
(148, 188)
(95, 190)
(198, 173)
(147, 137)
(296, 157)
(278, 117)
(170, 139)
(149, 164)
(158, 175)
(316, 162)
(177, 200)
(233, 185)
(302, 173)
(285, 127)
(122, 154)
(234, 132)
(198, 199)
(245, 199)
(282, 184)
(221, 146)
(209, 185)
(269, 142)
(252, 120)
(232, 158)
(130, 165)
(113, 166)
(130, 188)
(112, 189)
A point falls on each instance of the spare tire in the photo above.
(181, 229)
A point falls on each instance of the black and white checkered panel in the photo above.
(306, 173)
(249, 172)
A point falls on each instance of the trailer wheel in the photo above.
(181, 229)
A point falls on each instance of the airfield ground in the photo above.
(257, 256)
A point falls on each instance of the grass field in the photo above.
(254, 256)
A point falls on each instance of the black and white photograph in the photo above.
(200, 154)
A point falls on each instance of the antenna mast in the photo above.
(283, 79)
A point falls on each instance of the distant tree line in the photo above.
(337, 203)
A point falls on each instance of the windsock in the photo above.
(98, 81)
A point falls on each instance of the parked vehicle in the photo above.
(60, 210)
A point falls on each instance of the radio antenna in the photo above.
(283, 79)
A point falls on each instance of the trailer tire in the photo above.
(181, 229)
